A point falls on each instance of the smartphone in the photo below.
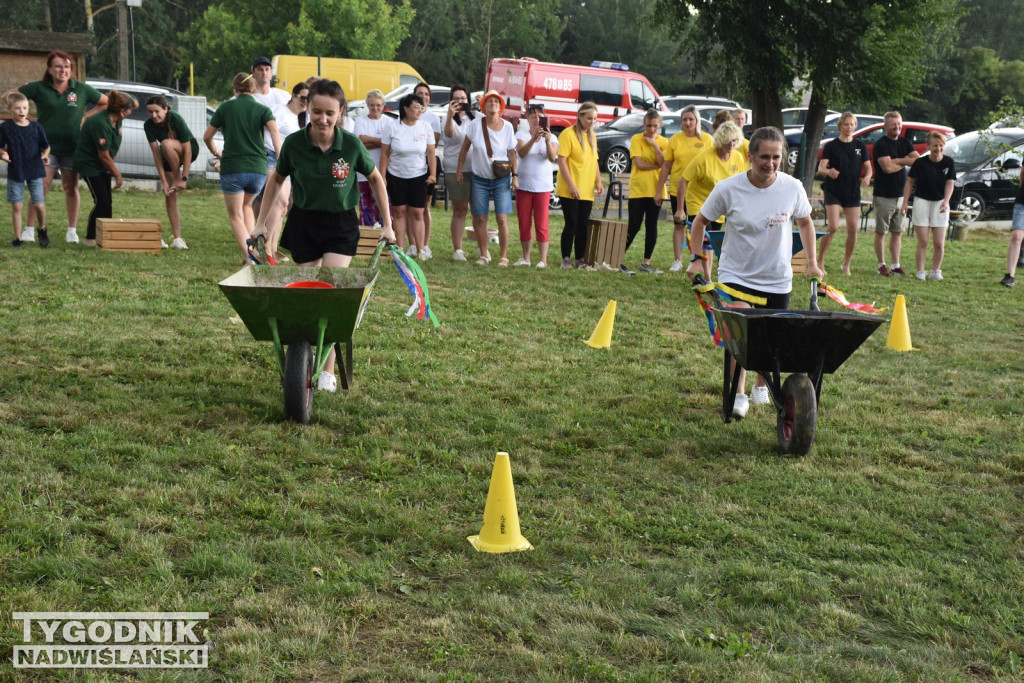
(467, 107)
(544, 122)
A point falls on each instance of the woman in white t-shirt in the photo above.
(422, 90)
(500, 142)
(409, 166)
(370, 129)
(537, 149)
(454, 134)
(287, 123)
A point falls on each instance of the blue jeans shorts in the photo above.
(61, 162)
(16, 191)
(1018, 217)
(236, 183)
(486, 188)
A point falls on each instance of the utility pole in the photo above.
(122, 40)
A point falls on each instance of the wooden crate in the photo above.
(136, 235)
(368, 239)
(799, 263)
(606, 242)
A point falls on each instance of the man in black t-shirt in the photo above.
(893, 155)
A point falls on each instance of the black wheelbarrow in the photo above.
(807, 344)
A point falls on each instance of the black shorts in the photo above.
(775, 301)
(308, 235)
(846, 201)
(407, 191)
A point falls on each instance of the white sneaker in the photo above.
(740, 406)
(327, 382)
(163, 245)
(459, 255)
(412, 250)
(760, 396)
(28, 234)
(422, 256)
(427, 254)
(542, 265)
(934, 275)
(72, 236)
(675, 267)
(921, 275)
(521, 262)
(178, 243)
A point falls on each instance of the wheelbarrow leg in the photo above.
(345, 361)
(730, 383)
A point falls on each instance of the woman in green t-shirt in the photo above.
(174, 149)
(97, 148)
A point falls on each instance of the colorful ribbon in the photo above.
(416, 281)
(840, 298)
(727, 295)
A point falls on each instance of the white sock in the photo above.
(881, 264)
(896, 265)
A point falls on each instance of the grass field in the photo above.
(147, 467)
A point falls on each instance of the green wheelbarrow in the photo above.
(304, 311)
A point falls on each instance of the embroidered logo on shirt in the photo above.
(341, 169)
(103, 141)
(779, 220)
(72, 99)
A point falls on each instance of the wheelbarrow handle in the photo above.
(815, 282)
(377, 252)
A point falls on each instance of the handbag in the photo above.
(501, 169)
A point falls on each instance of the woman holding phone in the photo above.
(537, 149)
(453, 133)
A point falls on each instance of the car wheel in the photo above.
(972, 205)
(555, 202)
(617, 161)
(793, 158)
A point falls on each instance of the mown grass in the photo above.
(146, 466)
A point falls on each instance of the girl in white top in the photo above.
(502, 142)
(454, 134)
(409, 165)
(424, 93)
(287, 123)
(370, 129)
(537, 149)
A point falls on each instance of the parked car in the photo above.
(794, 136)
(796, 117)
(987, 171)
(135, 159)
(677, 102)
(912, 130)
(613, 138)
(439, 96)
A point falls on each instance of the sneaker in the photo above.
(935, 275)
(740, 406)
(566, 263)
(521, 262)
(647, 268)
(459, 255)
(178, 243)
(1007, 281)
(676, 267)
(541, 265)
(624, 269)
(580, 263)
(898, 270)
(422, 256)
(44, 239)
(427, 254)
(72, 236)
(28, 234)
(884, 271)
(16, 243)
(760, 396)
(163, 245)
(327, 382)
(411, 251)
(921, 275)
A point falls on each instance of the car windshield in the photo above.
(630, 123)
(971, 149)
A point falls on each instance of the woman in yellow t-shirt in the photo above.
(723, 160)
(682, 148)
(647, 151)
(578, 176)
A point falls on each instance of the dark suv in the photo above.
(987, 171)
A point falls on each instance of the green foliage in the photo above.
(360, 29)
(220, 46)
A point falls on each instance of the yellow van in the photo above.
(356, 76)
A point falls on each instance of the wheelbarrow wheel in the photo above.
(298, 382)
(798, 415)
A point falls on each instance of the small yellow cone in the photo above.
(899, 327)
(500, 532)
(602, 337)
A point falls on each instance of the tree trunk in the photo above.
(767, 109)
(814, 125)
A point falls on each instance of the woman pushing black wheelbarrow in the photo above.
(755, 271)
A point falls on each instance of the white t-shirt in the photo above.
(453, 145)
(287, 121)
(349, 124)
(364, 125)
(275, 99)
(501, 142)
(535, 169)
(432, 118)
(408, 157)
(758, 244)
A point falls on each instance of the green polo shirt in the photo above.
(175, 128)
(324, 181)
(98, 134)
(242, 120)
(61, 113)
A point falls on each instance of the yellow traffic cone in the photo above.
(602, 337)
(500, 532)
(899, 327)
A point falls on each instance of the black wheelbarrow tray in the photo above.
(807, 344)
(307, 310)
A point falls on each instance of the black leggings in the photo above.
(102, 196)
(643, 210)
(577, 213)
